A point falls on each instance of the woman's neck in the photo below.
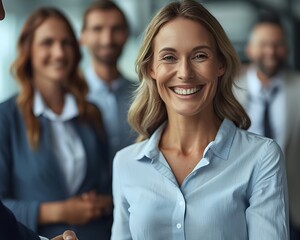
(53, 96)
(189, 134)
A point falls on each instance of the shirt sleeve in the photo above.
(267, 214)
(120, 228)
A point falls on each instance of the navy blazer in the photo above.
(10, 229)
(28, 178)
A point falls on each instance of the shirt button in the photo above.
(181, 203)
(178, 225)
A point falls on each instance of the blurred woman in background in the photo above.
(54, 168)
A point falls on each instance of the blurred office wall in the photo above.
(236, 16)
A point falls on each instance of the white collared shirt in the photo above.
(67, 144)
(256, 105)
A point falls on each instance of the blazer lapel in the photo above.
(292, 107)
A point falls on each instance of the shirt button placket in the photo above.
(181, 204)
(180, 209)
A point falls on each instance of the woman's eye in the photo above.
(200, 56)
(67, 42)
(168, 58)
(46, 42)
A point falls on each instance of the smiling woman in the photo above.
(53, 57)
(52, 138)
(186, 72)
(10, 228)
(195, 173)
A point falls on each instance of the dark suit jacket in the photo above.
(28, 178)
(10, 229)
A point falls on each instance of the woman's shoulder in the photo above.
(8, 106)
(10, 102)
(256, 143)
(134, 149)
(132, 152)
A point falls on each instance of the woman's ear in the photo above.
(152, 72)
(221, 69)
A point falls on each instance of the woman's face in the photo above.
(186, 67)
(52, 52)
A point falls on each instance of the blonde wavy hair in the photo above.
(148, 111)
(23, 72)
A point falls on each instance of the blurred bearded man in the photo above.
(270, 94)
(104, 33)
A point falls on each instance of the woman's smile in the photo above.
(188, 90)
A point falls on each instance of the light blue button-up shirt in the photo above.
(113, 102)
(237, 191)
(256, 105)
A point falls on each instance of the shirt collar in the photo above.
(97, 84)
(70, 109)
(220, 146)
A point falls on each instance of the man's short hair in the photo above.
(103, 5)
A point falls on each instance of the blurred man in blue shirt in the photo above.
(105, 31)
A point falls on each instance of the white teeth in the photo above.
(189, 91)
